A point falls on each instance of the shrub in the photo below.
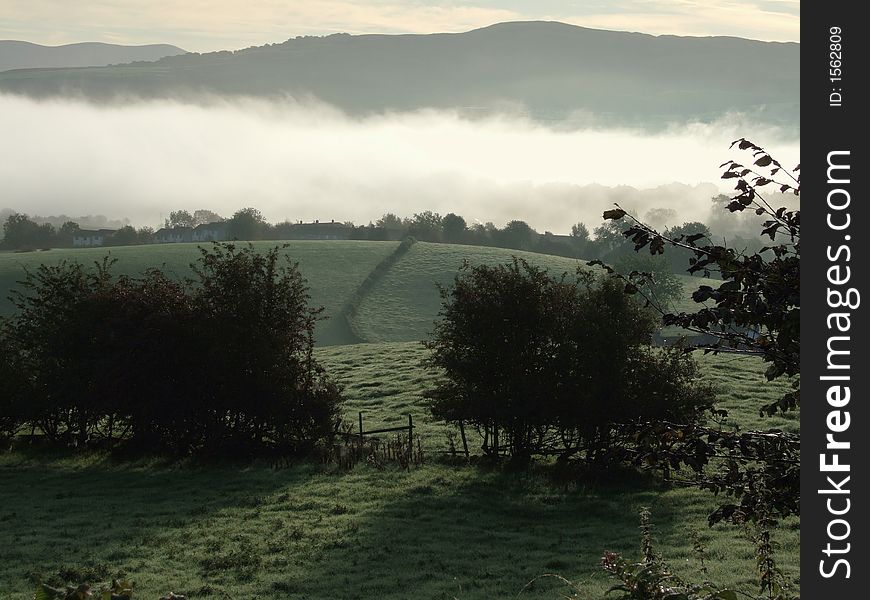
(11, 389)
(552, 365)
(221, 362)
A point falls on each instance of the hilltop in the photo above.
(16, 54)
(546, 70)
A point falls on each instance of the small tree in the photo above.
(454, 228)
(679, 257)
(67, 232)
(542, 364)
(662, 286)
(247, 224)
(257, 333)
(609, 243)
(125, 236)
(517, 235)
(426, 226)
(20, 231)
(204, 216)
(180, 218)
(580, 238)
(222, 362)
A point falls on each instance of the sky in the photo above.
(209, 25)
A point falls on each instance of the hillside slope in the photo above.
(16, 54)
(333, 270)
(398, 302)
(403, 305)
(549, 70)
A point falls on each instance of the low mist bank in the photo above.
(141, 160)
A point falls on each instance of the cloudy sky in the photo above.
(206, 25)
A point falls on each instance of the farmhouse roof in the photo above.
(88, 232)
(215, 226)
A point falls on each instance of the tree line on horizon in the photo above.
(603, 242)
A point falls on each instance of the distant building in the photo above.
(84, 238)
(206, 232)
(210, 232)
(318, 231)
(173, 235)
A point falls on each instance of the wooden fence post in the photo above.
(410, 439)
(464, 440)
(360, 427)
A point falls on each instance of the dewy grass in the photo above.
(333, 269)
(398, 305)
(403, 304)
(438, 531)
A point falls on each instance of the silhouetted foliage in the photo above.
(247, 224)
(20, 231)
(580, 238)
(454, 228)
(12, 389)
(755, 310)
(66, 233)
(180, 218)
(517, 235)
(662, 286)
(224, 361)
(609, 243)
(426, 225)
(553, 365)
(757, 306)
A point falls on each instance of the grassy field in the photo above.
(401, 306)
(306, 531)
(465, 531)
(404, 304)
(333, 269)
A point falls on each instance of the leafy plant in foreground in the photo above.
(755, 310)
(117, 590)
(651, 578)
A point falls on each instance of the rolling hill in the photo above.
(16, 54)
(398, 302)
(333, 270)
(548, 70)
(279, 529)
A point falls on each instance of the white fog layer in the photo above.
(144, 159)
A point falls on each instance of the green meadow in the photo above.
(400, 307)
(334, 269)
(446, 529)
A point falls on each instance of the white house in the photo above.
(210, 232)
(91, 237)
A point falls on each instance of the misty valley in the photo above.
(509, 311)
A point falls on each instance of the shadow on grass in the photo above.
(86, 517)
(482, 532)
(440, 531)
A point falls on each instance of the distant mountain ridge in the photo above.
(551, 71)
(16, 54)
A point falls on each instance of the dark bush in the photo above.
(553, 365)
(12, 386)
(222, 362)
